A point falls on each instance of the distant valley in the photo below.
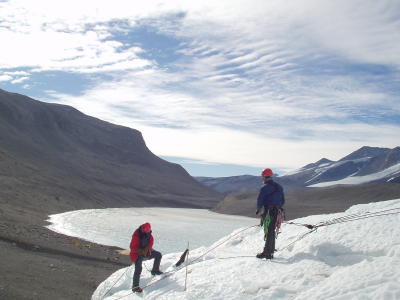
(366, 175)
(366, 165)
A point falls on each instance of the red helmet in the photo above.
(146, 227)
(267, 173)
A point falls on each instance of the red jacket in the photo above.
(135, 244)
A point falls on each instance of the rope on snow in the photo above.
(350, 218)
(168, 274)
(313, 228)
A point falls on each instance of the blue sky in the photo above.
(222, 87)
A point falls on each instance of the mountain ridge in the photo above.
(364, 161)
(53, 151)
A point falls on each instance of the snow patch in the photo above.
(354, 260)
(362, 179)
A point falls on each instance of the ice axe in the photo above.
(182, 258)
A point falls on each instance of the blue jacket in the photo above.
(271, 194)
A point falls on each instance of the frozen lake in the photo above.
(172, 228)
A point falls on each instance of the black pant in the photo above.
(269, 247)
(138, 265)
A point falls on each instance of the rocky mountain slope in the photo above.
(56, 158)
(366, 161)
(366, 165)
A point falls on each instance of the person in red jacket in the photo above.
(142, 249)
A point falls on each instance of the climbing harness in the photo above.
(280, 218)
(266, 220)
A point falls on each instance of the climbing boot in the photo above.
(265, 255)
(137, 289)
(156, 272)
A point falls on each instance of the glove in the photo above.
(257, 211)
(144, 251)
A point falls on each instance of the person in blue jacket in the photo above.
(271, 199)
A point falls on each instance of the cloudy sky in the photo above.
(223, 87)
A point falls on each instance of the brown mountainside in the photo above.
(54, 158)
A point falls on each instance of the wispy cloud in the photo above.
(246, 82)
(5, 77)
